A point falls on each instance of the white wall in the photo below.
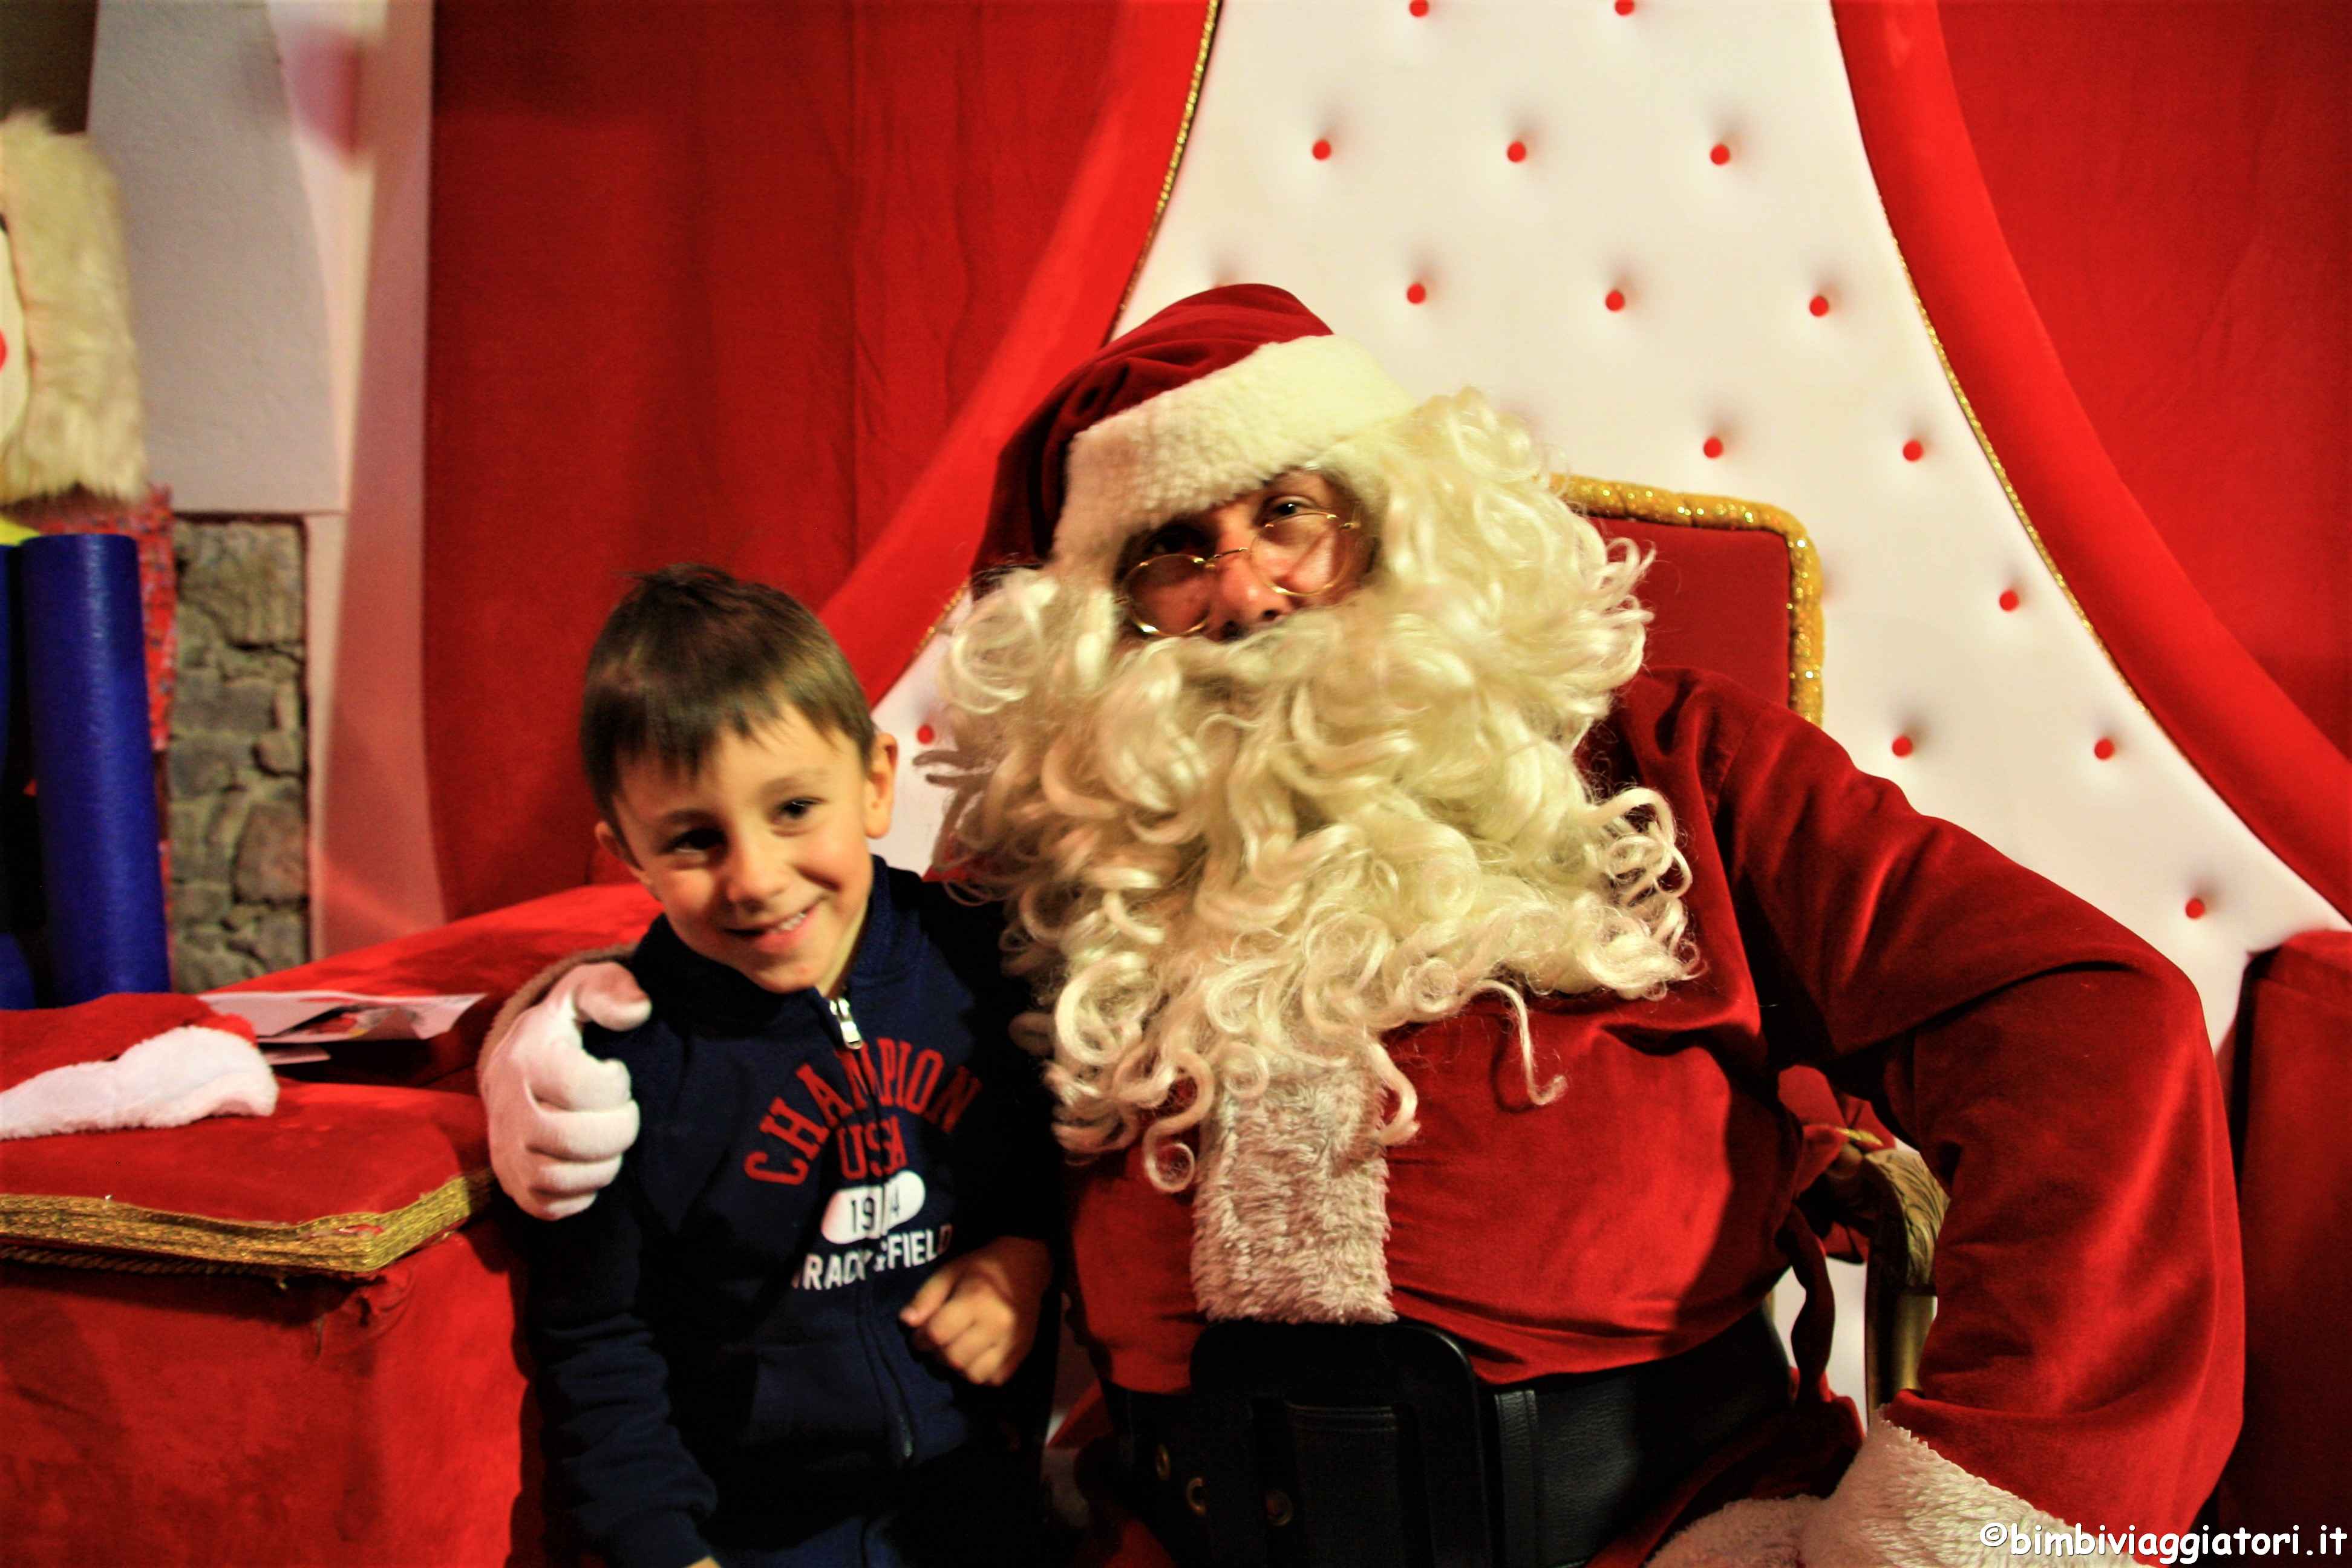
(274, 160)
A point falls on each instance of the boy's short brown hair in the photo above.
(693, 652)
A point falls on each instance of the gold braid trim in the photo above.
(2001, 474)
(1175, 155)
(1643, 503)
(122, 1263)
(332, 1244)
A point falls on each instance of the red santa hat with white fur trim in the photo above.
(127, 1061)
(1214, 396)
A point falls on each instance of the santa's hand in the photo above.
(560, 1119)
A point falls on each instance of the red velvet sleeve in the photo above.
(2054, 1070)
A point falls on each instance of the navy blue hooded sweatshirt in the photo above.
(719, 1351)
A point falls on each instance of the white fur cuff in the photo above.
(1901, 1505)
(1751, 1534)
(180, 1075)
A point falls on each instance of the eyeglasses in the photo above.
(1299, 554)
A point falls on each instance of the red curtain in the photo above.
(715, 281)
(2175, 182)
(2243, 466)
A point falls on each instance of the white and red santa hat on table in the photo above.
(127, 1061)
(1213, 396)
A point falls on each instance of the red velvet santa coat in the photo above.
(2052, 1069)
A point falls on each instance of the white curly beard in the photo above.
(1234, 869)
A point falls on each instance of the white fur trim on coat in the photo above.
(180, 1075)
(80, 424)
(1290, 1222)
(1750, 1535)
(1901, 1505)
(1209, 440)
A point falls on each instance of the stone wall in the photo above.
(238, 764)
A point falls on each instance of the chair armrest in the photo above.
(1903, 1206)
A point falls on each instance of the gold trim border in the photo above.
(124, 1262)
(359, 1243)
(1646, 503)
(1175, 155)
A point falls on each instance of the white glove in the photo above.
(561, 1118)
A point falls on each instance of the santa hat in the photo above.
(1211, 397)
(133, 1060)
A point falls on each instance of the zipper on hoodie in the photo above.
(895, 1408)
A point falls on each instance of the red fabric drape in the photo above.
(2260, 752)
(2175, 182)
(712, 281)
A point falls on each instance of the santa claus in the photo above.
(1416, 971)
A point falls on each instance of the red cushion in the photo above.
(343, 1179)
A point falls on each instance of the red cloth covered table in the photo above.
(292, 1339)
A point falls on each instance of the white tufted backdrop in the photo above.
(1649, 227)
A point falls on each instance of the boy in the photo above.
(744, 1360)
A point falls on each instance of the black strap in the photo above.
(1517, 1477)
(1374, 1447)
(1350, 1485)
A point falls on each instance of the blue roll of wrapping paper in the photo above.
(86, 687)
(7, 659)
(16, 973)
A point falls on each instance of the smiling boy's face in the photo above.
(759, 858)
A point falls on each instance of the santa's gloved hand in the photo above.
(561, 1118)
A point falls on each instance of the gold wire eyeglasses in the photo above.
(1299, 553)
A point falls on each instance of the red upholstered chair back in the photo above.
(1734, 589)
(1732, 586)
